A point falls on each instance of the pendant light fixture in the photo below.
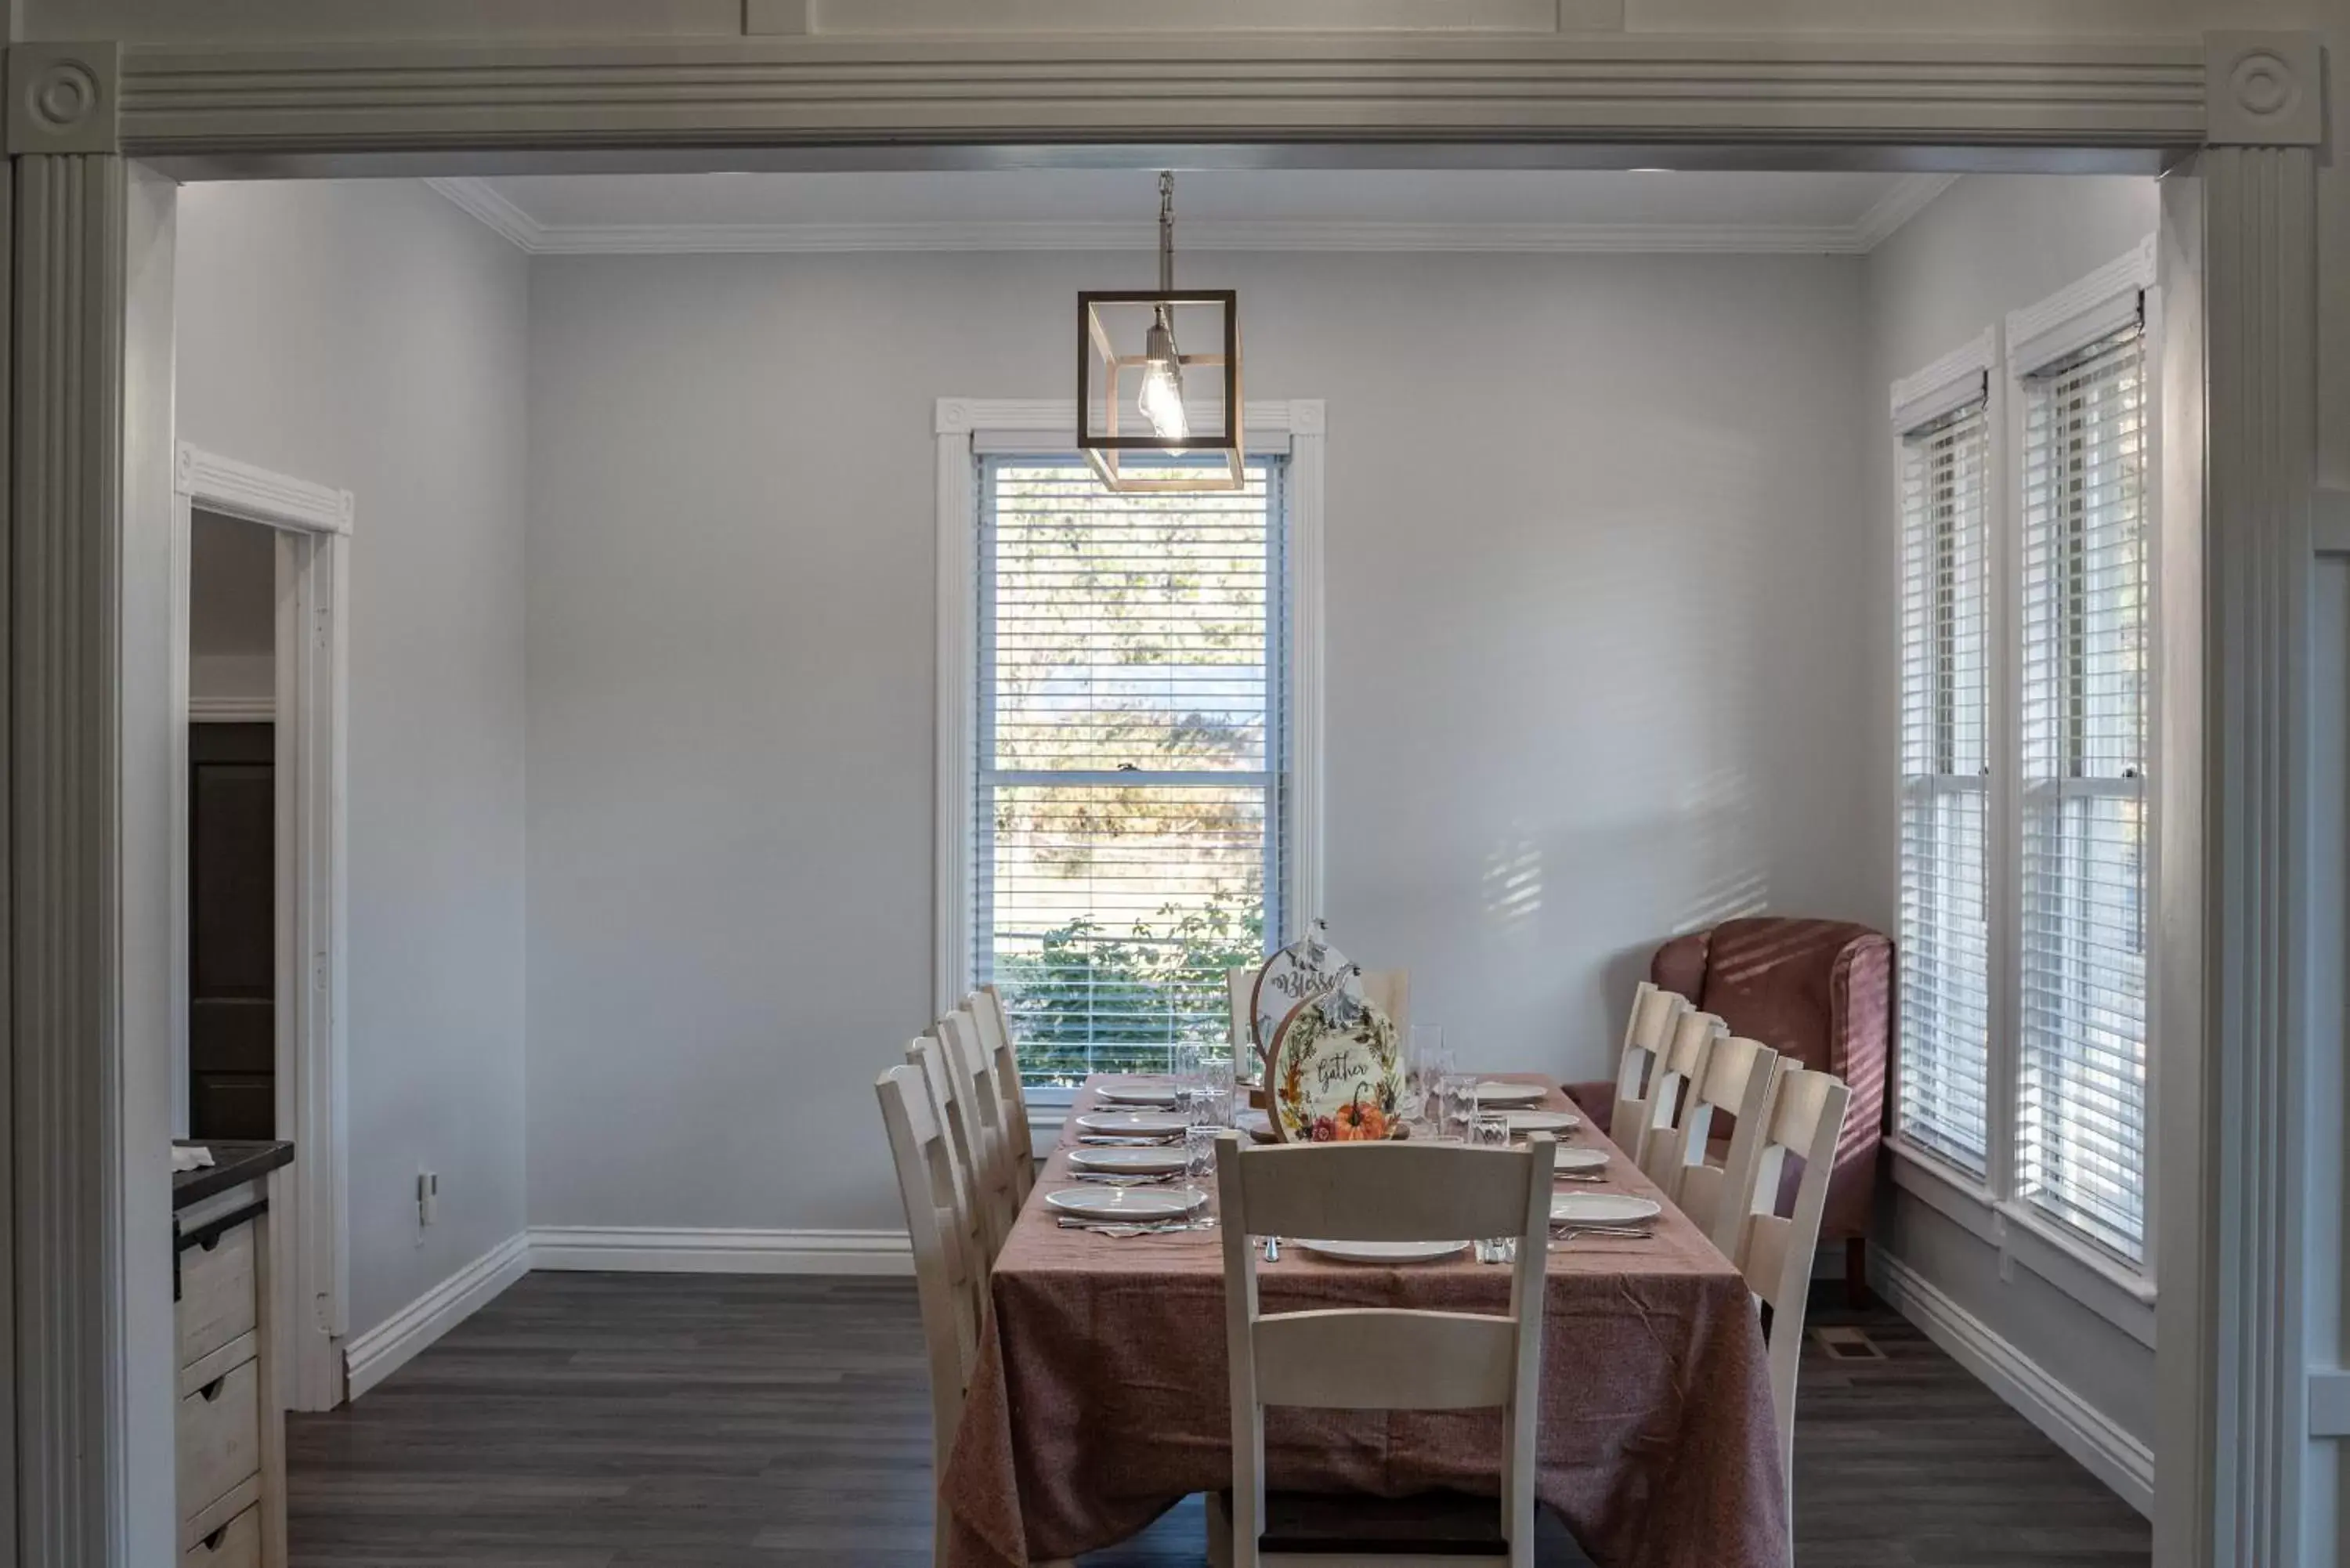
(1151, 417)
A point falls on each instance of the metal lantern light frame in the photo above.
(1097, 354)
(1105, 450)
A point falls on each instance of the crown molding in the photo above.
(482, 200)
(1911, 195)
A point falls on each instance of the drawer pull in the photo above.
(210, 1391)
(211, 1541)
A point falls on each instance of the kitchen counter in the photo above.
(235, 1163)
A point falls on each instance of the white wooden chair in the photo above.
(1390, 991)
(973, 1072)
(1424, 1360)
(1738, 1077)
(1682, 1062)
(1775, 1251)
(986, 1007)
(929, 1057)
(1240, 984)
(943, 1269)
(1647, 1031)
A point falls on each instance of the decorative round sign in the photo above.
(1301, 971)
(1335, 1074)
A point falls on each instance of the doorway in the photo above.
(229, 1089)
(257, 966)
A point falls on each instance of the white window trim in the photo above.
(963, 425)
(1996, 361)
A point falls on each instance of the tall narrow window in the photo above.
(2081, 1108)
(1131, 769)
(1942, 1071)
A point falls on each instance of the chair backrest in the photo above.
(1774, 1253)
(1390, 991)
(1647, 1030)
(943, 1269)
(1683, 1060)
(1740, 1077)
(1426, 1360)
(1240, 985)
(973, 1072)
(929, 1057)
(986, 1007)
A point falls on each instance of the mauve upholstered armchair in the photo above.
(1820, 991)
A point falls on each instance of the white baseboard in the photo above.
(2116, 1458)
(663, 1250)
(384, 1349)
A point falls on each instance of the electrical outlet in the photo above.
(427, 1197)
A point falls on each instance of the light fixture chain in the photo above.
(1166, 231)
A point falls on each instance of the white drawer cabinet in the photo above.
(236, 1544)
(232, 1468)
(217, 1301)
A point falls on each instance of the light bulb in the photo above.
(1161, 397)
(1162, 400)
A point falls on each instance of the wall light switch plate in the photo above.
(427, 1197)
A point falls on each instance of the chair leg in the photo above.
(1220, 1532)
(1855, 1272)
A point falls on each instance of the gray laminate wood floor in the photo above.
(712, 1421)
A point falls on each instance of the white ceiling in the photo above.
(1524, 210)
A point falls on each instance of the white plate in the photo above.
(1128, 1161)
(1524, 1122)
(1601, 1209)
(1495, 1092)
(1385, 1251)
(1137, 1094)
(1140, 1205)
(1580, 1159)
(1133, 1124)
(1256, 1123)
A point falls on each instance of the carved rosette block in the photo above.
(64, 97)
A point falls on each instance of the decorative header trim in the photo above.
(64, 97)
(963, 416)
(2077, 316)
(1908, 197)
(1950, 382)
(240, 490)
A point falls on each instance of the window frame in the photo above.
(1990, 1207)
(964, 427)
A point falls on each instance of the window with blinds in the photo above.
(1131, 759)
(2080, 1137)
(1942, 1098)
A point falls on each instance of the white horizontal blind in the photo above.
(1943, 1068)
(1131, 755)
(2081, 1086)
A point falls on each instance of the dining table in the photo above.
(1100, 1396)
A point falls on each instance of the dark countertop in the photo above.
(234, 1165)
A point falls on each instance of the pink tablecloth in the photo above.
(1100, 1397)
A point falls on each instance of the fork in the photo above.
(1120, 1232)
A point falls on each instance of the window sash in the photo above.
(1131, 758)
(1942, 1097)
(2082, 1107)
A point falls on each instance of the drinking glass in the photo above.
(1425, 1062)
(1199, 1169)
(1457, 1095)
(1183, 1065)
(1209, 1107)
(1489, 1129)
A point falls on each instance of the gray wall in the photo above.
(371, 337)
(1597, 607)
(1987, 246)
(231, 608)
